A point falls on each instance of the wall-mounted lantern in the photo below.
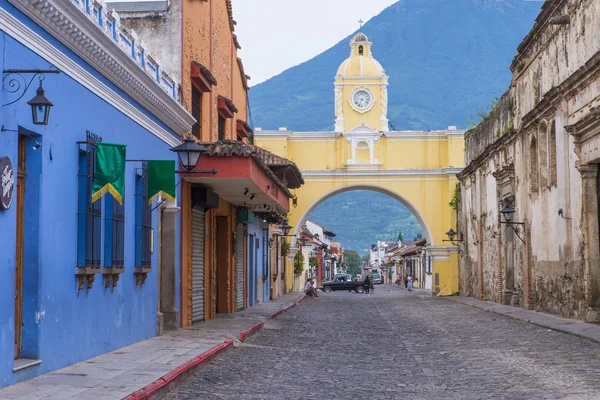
(40, 106)
(452, 235)
(285, 228)
(507, 213)
(189, 153)
(14, 82)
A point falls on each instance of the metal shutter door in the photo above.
(197, 264)
(239, 266)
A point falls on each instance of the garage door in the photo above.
(239, 266)
(198, 229)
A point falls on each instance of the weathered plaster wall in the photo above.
(160, 33)
(522, 152)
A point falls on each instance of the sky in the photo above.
(278, 34)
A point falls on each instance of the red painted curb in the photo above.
(251, 331)
(302, 299)
(283, 310)
(152, 389)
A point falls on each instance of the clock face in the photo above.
(361, 99)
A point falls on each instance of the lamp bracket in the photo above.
(14, 81)
(198, 171)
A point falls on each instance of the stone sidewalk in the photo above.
(162, 359)
(572, 326)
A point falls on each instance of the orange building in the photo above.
(215, 208)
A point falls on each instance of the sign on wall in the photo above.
(7, 183)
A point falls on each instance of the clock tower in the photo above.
(361, 90)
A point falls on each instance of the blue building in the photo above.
(79, 279)
(259, 265)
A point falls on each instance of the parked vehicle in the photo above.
(377, 277)
(343, 282)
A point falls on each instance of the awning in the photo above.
(242, 179)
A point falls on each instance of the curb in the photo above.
(282, 311)
(251, 331)
(161, 386)
(302, 299)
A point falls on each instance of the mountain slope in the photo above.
(358, 226)
(445, 60)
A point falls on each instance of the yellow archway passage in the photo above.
(418, 168)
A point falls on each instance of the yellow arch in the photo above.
(417, 168)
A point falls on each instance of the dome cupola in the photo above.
(361, 61)
(361, 89)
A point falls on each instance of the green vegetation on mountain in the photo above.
(362, 217)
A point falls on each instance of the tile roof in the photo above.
(229, 104)
(232, 22)
(206, 72)
(287, 170)
(228, 148)
(245, 78)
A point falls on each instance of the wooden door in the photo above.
(19, 249)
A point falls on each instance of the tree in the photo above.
(418, 237)
(353, 261)
(400, 237)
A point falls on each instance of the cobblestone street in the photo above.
(399, 345)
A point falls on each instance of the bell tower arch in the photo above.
(361, 89)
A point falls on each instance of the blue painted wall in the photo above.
(60, 327)
(255, 272)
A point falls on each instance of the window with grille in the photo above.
(197, 111)
(89, 214)
(114, 233)
(221, 127)
(143, 220)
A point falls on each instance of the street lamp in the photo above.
(285, 228)
(507, 213)
(40, 106)
(451, 235)
(189, 153)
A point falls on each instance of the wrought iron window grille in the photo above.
(144, 233)
(89, 217)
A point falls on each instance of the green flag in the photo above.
(161, 180)
(109, 176)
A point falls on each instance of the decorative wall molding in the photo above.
(23, 34)
(374, 172)
(98, 38)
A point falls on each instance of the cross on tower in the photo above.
(361, 22)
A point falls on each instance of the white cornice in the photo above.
(77, 30)
(374, 172)
(44, 49)
(452, 170)
(394, 135)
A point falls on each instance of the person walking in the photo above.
(410, 283)
(367, 284)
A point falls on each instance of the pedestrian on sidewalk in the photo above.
(410, 283)
(367, 284)
(309, 289)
